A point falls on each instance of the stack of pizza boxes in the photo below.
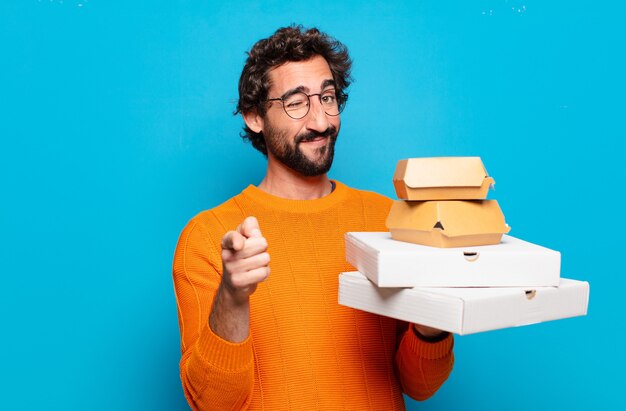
(447, 262)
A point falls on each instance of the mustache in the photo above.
(331, 132)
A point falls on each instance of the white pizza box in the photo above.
(511, 263)
(466, 310)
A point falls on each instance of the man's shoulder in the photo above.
(222, 216)
(367, 209)
(371, 197)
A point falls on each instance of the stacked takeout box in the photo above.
(447, 262)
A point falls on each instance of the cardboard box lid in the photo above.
(431, 172)
(466, 310)
(452, 218)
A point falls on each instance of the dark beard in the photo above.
(291, 156)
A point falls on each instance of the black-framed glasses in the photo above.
(298, 104)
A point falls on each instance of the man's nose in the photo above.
(317, 119)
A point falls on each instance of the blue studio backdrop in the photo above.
(117, 127)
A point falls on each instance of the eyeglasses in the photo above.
(298, 104)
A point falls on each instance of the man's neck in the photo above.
(286, 183)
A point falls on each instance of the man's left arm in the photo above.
(424, 360)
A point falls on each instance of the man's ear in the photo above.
(253, 120)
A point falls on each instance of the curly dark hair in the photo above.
(287, 44)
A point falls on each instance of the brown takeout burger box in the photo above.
(447, 223)
(442, 178)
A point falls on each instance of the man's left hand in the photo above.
(429, 333)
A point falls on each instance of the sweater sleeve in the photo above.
(423, 366)
(216, 374)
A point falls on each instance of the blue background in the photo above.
(117, 127)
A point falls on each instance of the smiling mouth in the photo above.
(316, 139)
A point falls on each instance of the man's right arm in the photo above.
(217, 367)
(245, 264)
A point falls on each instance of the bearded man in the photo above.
(255, 340)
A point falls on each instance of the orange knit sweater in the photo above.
(305, 351)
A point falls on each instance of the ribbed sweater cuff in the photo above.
(429, 350)
(222, 354)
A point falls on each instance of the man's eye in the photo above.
(329, 98)
(294, 104)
